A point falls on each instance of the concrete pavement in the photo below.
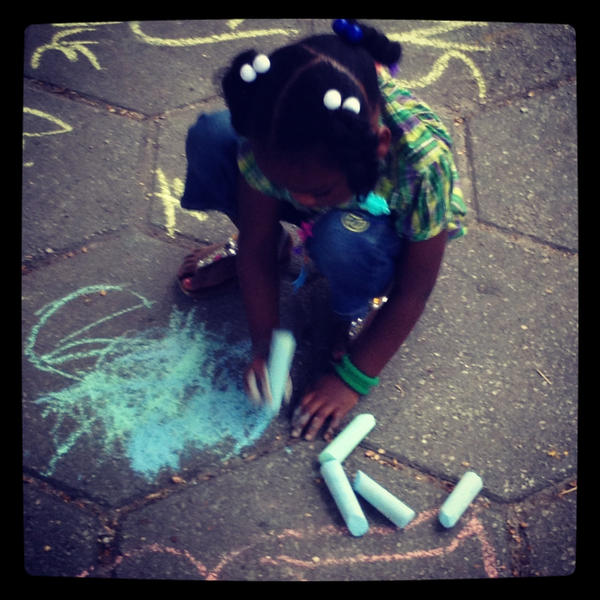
(141, 458)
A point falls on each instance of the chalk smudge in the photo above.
(151, 396)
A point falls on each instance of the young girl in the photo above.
(318, 134)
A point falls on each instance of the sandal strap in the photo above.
(229, 248)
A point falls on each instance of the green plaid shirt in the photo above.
(419, 180)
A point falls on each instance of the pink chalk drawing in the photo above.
(472, 529)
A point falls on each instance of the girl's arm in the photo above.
(416, 276)
(415, 280)
(258, 272)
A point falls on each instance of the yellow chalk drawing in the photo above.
(170, 196)
(62, 127)
(426, 36)
(234, 23)
(429, 36)
(441, 65)
(422, 36)
(230, 36)
(69, 48)
(86, 24)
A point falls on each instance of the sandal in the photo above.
(215, 265)
(347, 332)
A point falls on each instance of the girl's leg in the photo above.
(357, 253)
(211, 184)
(211, 150)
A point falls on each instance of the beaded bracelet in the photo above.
(354, 377)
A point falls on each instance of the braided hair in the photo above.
(282, 109)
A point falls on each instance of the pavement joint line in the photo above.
(443, 481)
(89, 100)
(470, 160)
(524, 237)
(46, 257)
(97, 102)
(197, 105)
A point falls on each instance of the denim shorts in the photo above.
(356, 252)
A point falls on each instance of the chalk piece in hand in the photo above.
(283, 346)
(348, 439)
(344, 497)
(459, 499)
(385, 502)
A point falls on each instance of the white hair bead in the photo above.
(261, 63)
(352, 104)
(332, 99)
(247, 73)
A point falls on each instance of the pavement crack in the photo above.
(520, 550)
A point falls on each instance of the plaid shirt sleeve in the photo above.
(422, 179)
(437, 204)
(255, 177)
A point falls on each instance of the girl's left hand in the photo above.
(330, 399)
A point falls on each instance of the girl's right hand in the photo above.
(256, 381)
(257, 385)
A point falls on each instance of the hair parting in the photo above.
(282, 108)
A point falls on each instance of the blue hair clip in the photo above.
(349, 31)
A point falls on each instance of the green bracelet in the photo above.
(354, 377)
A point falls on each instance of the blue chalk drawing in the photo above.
(154, 394)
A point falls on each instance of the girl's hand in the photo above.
(257, 385)
(256, 381)
(330, 399)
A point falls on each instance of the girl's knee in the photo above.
(354, 241)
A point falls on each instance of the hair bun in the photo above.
(382, 49)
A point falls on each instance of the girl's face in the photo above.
(310, 181)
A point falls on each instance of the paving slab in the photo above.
(60, 539)
(79, 172)
(525, 166)
(486, 378)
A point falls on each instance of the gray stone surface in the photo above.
(487, 380)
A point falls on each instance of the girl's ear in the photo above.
(385, 140)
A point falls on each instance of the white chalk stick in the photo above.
(283, 346)
(348, 439)
(385, 502)
(344, 497)
(459, 499)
